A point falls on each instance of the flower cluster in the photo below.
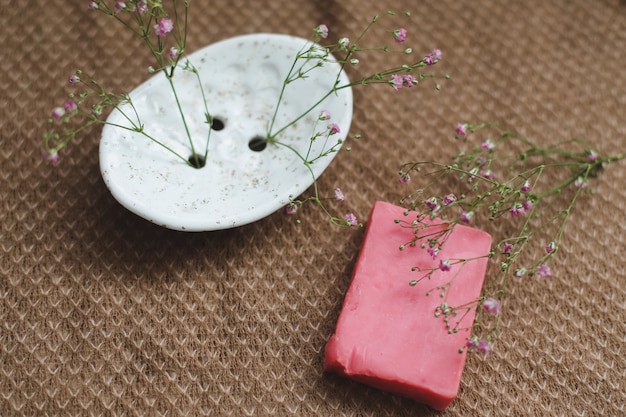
(349, 54)
(294, 205)
(163, 30)
(503, 176)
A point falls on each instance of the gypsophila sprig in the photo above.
(163, 30)
(501, 177)
(161, 26)
(350, 52)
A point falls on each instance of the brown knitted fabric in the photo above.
(103, 313)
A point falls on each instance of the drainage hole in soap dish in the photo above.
(217, 124)
(196, 161)
(257, 143)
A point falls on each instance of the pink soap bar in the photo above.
(387, 335)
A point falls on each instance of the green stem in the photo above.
(184, 120)
(209, 117)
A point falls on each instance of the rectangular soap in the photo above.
(387, 335)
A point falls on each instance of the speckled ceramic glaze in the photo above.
(242, 78)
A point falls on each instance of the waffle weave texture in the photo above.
(105, 314)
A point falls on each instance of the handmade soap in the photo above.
(387, 334)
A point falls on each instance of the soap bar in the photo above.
(387, 335)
